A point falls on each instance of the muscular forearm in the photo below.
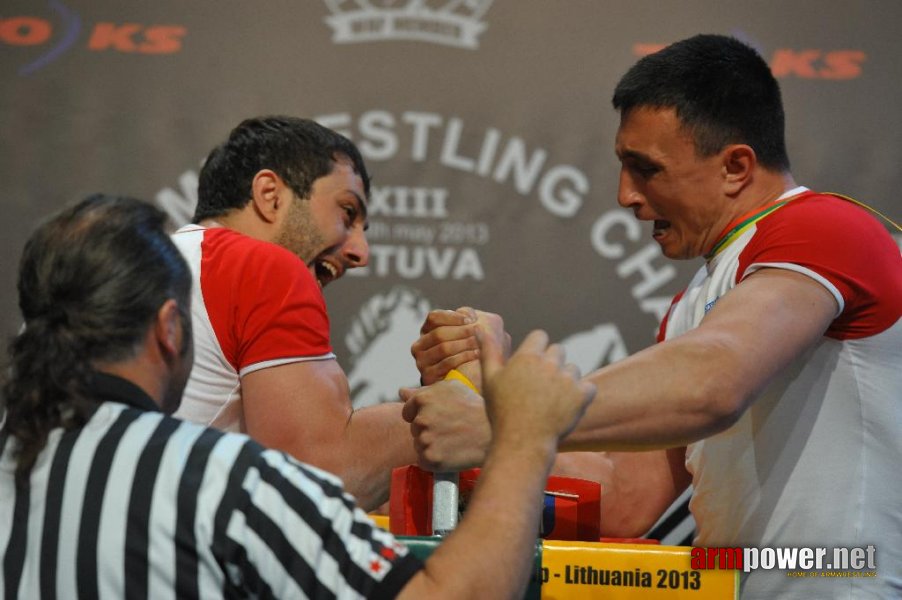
(663, 397)
(700, 382)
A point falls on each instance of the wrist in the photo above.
(514, 440)
(458, 376)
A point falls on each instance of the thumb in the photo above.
(410, 409)
(491, 354)
(535, 342)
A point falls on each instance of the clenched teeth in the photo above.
(329, 267)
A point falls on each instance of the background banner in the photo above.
(486, 125)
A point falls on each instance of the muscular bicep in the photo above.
(302, 408)
(762, 325)
(699, 383)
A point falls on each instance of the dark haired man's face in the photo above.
(662, 179)
(327, 230)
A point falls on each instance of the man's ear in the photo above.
(266, 194)
(739, 162)
(168, 329)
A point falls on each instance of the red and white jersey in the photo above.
(254, 305)
(817, 459)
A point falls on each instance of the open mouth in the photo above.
(325, 272)
(660, 227)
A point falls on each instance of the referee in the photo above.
(102, 493)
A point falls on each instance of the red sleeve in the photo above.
(844, 245)
(262, 300)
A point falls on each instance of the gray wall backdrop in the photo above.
(486, 124)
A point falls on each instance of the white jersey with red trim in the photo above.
(817, 459)
(254, 305)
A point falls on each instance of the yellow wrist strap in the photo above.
(455, 374)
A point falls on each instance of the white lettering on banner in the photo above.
(557, 196)
(446, 232)
(400, 201)
(639, 262)
(488, 151)
(378, 143)
(413, 232)
(180, 208)
(561, 187)
(525, 169)
(421, 122)
(449, 148)
(378, 231)
(652, 278)
(389, 251)
(414, 262)
(603, 226)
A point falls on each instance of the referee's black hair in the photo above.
(91, 279)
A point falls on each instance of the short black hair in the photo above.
(300, 151)
(723, 93)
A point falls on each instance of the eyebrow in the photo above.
(361, 205)
(635, 155)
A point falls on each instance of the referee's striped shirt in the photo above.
(136, 504)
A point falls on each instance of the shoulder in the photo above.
(825, 225)
(817, 215)
(841, 245)
(232, 244)
(228, 254)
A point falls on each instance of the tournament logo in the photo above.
(379, 340)
(447, 22)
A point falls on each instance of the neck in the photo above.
(753, 200)
(243, 221)
(139, 372)
(767, 188)
(763, 190)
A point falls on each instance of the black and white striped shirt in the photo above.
(140, 505)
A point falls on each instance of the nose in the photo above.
(356, 250)
(628, 196)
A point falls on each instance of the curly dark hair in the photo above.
(300, 151)
(91, 279)
(722, 91)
